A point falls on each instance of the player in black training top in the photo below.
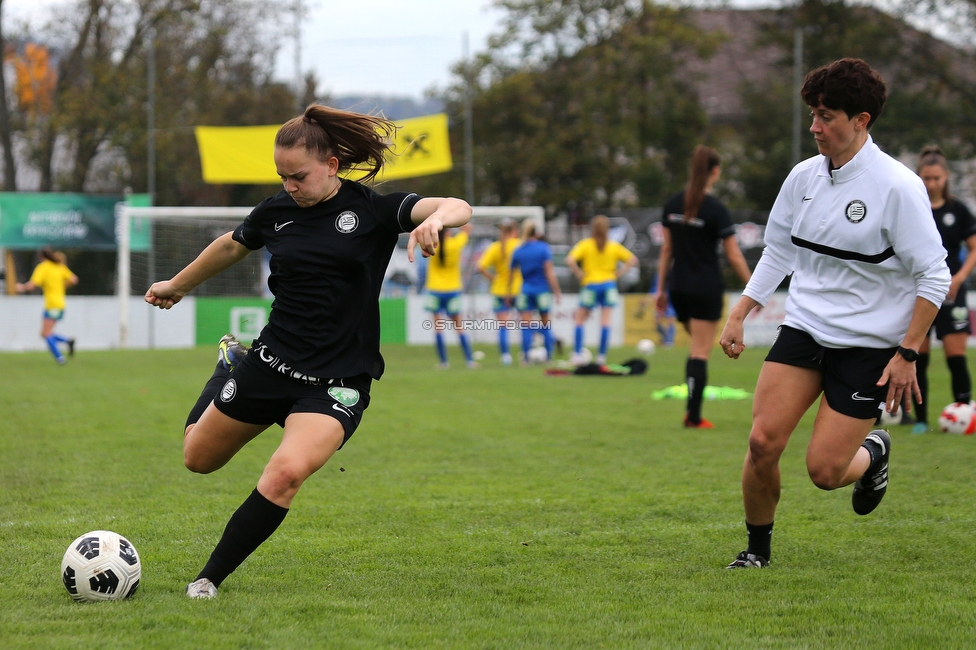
(956, 225)
(694, 223)
(310, 370)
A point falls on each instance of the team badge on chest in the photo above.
(856, 211)
(347, 222)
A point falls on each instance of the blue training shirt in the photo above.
(530, 258)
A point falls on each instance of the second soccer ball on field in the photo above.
(958, 418)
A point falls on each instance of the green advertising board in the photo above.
(66, 220)
(245, 317)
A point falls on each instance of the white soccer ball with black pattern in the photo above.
(958, 418)
(646, 347)
(101, 565)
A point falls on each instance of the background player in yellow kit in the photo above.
(52, 276)
(495, 264)
(444, 286)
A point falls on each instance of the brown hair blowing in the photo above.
(703, 161)
(932, 156)
(358, 141)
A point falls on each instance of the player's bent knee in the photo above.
(825, 476)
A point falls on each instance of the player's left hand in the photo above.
(902, 382)
(427, 236)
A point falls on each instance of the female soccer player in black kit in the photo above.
(956, 225)
(310, 370)
(694, 222)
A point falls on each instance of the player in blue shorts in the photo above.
(444, 287)
(597, 262)
(534, 259)
(52, 276)
(495, 264)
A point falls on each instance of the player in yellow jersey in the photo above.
(597, 262)
(52, 276)
(496, 265)
(444, 286)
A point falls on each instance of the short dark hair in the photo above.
(850, 85)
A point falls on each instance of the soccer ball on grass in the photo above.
(958, 418)
(537, 354)
(101, 565)
(646, 347)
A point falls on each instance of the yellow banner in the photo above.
(245, 154)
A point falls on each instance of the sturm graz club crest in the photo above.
(856, 211)
(228, 391)
(347, 222)
(345, 396)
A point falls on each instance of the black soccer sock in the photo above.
(922, 376)
(214, 384)
(247, 529)
(696, 371)
(961, 387)
(760, 538)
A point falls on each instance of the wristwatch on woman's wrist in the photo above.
(907, 353)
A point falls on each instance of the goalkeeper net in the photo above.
(155, 243)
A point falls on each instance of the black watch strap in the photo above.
(907, 353)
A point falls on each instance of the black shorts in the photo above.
(953, 317)
(259, 394)
(700, 305)
(850, 375)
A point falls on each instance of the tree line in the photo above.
(579, 105)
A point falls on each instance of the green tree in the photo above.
(214, 65)
(922, 105)
(577, 102)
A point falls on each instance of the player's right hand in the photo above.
(163, 295)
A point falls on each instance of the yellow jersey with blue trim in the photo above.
(599, 266)
(444, 267)
(52, 278)
(498, 258)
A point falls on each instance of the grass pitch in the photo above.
(494, 508)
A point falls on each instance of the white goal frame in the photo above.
(126, 213)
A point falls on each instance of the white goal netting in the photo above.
(156, 242)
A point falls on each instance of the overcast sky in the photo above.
(389, 47)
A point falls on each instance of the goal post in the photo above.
(154, 243)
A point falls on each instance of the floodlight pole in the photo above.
(797, 86)
(299, 85)
(468, 126)
(151, 118)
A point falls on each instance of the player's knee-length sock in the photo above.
(441, 348)
(604, 340)
(696, 370)
(759, 539)
(247, 529)
(52, 344)
(465, 346)
(526, 342)
(961, 387)
(503, 339)
(922, 376)
(548, 341)
(214, 384)
(578, 340)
